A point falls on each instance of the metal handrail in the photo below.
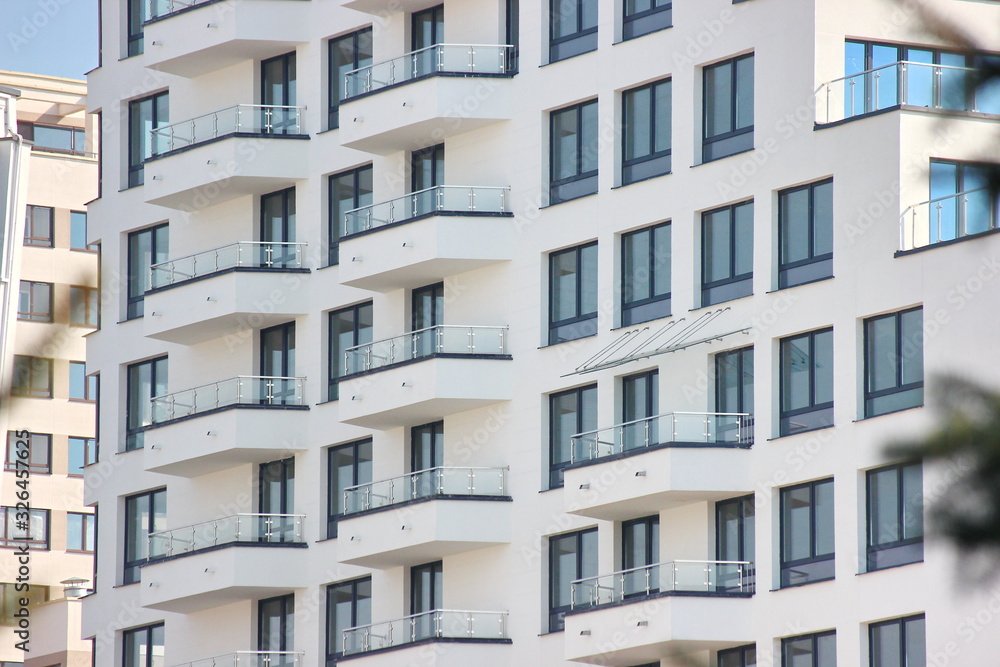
(895, 64)
(169, 402)
(911, 213)
(169, 267)
(435, 616)
(245, 118)
(412, 204)
(233, 659)
(410, 482)
(414, 345)
(192, 538)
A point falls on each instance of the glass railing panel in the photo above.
(425, 484)
(250, 659)
(445, 338)
(679, 576)
(245, 118)
(439, 623)
(440, 59)
(242, 390)
(264, 528)
(442, 198)
(948, 218)
(244, 254)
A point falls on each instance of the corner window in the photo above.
(806, 382)
(741, 656)
(144, 116)
(570, 412)
(82, 452)
(348, 605)
(34, 303)
(961, 203)
(143, 647)
(642, 17)
(78, 232)
(901, 641)
(39, 449)
(145, 248)
(83, 306)
(571, 556)
(19, 528)
(895, 516)
(805, 234)
(815, 650)
(646, 131)
(573, 152)
(646, 262)
(573, 293)
(32, 377)
(727, 253)
(894, 362)
(347, 465)
(145, 380)
(80, 532)
(728, 108)
(807, 533)
(145, 513)
(348, 190)
(38, 227)
(349, 327)
(346, 53)
(572, 28)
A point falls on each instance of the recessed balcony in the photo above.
(246, 419)
(944, 220)
(646, 613)
(643, 466)
(424, 236)
(242, 150)
(424, 97)
(239, 557)
(250, 659)
(455, 627)
(225, 290)
(424, 516)
(193, 37)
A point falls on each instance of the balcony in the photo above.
(246, 419)
(248, 289)
(240, 557)
(424, 236)
(424, 97)
(947, 219)
(193, 37)
(424, 375)
(440, 625)
(904, 85)
(385, 8)
(643, 466)
(250, 659)
(434, 513)
(237, 151)
(674, 608)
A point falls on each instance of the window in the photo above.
(573, 293)
(735, 522)
(817, 650)
(34, 302)
(646, 261)
(145, 380)
(640, 549)
(570, 412)
(741, 656)
(83, 306)
(138, 13)
(348, 465)
(145, 248)
(895, 516)
(348, 190)
(39, 458)
(640, 402)
(894, 362)
(55, 138)
(82, 452)
(145, 513)
(645, 16)
(806, 382)
(32, 377)
(346, 53)
(276, 626)
(278, 84)
(728, 104)
(143, 647)
(807, 533)
(78, 232)
(573, 148)
(426, 30)
(805, 238)
(572, 28)
(963, 201)
(348, 327)
(348, 605)
(38, 227)
(80, 531)
(81, 387)
(646, 131)
(20, 527)
(571, 556)
(726, 253)
(144, 116)
(10, 603)
(734, 392)
(901, 642)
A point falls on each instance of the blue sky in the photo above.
(54, 37)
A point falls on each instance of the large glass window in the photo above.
(962, 202)
(80, 531)
(34, 303)
(347, 465)
(82, 452)
(348, 327)
(806, 382)
(816, 650)
(32, 377)
(145, 380)
(807, 533)
(573, 293)
(641, 548)
(646, 131)
(741, 656)
(735, 523)
(734, 390)
(145, 248)
(38, 227)
(145, 513)
(728, 105)
(348, 190)
(346, 53)
(81, 387)
(895, 516)
(571, 556)
(727, 253)
(426, 30)
(894, 362)
(572, 28)
(640, 402)
(276, 629)
(573, 152)
(144, 116)
(348, 605)
(138, 13)
(143, 647)
(278, 87)
(570, 412)
(805, 234)
(646, 262)
(78, 232)
(901, 642)
(83, 306)
(642, 17)
(39, 449)
(55, 138)
(21, 526)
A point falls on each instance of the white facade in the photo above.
(205, 446)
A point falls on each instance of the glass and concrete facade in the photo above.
(549, 334)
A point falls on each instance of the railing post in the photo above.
(472, 199)
(646, 431)
(239, 118)
(472, 340)
(472, 58)
(239, 528)
(852, 84)
(708, 427)
(439, 196)
(439, 339)
(503, 340)
(876, 78)
(503, 482)
(647, 570)
(472, 482)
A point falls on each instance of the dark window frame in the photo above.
(558, 612)
(332, 516)
(332, 655)
(580, 176)
(709, 141)
(647, 21)
(579, 317)
(8, 541)
(814, 638)
(813, 406)
(902, 623)
(962, 215)
(33, 315)
(134, 308)
(136, 15)
(136, 170)
(903, 545)
(556, 468)
(901, 343)
(784, 268)
(131, 568)
(337, 92)
(89, 539)
(133, 433)
(46, 241)
(655, 267)
(335, 226)
(73, 222)
(33, 365)
(88, 395)
(286, 613)
(653, 154)
(741, 283)
(90, 454)
(742, 653)
(582, 33)
(333, 378)
(11, 459)
(813, 557)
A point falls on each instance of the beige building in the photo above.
(49, 399)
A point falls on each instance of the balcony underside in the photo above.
(387, 7)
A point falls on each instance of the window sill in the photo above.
(886, 414)
(566, 201)
(889, 567)
(640, 180)
(563, 342)
(807, 583)
(651, 32)
(723, 157)
(562, 60)
(808, 282)
(719, 303)
(792, 435)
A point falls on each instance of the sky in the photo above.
(54, 37)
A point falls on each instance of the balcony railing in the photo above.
(439, 624)
(458, 59)
(911, 83)
(250, 659)
(678, 576)
(947, 218)
(708, 428)
(240, 390)
(441, 199)
(440, 481)
(243, 254)
(262, 528)
(424, 343)
(161, 8)
(242, 118)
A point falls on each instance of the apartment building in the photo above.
(48, 415)
(544, 334)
